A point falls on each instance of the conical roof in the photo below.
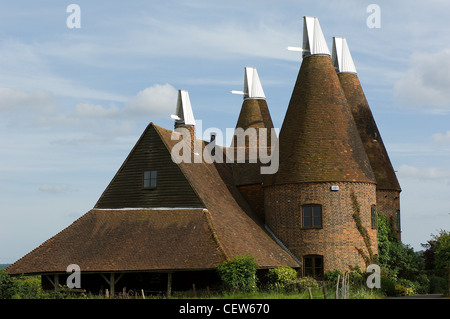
(318, 140)
(255, 115)
(366, 125)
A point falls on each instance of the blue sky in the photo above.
(73, 102)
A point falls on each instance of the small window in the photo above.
(313, 266)
(397, 217)
(312, 216)
(150, 178)
(373, 216)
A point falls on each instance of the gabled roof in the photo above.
(365, 122)
(159, 239)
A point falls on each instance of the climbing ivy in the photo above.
(370, 258)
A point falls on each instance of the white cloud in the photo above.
(430, 173)
(18, 100)
(95, 111)
(53, 188)
(426, 83)
(442, 138)
(155, 101)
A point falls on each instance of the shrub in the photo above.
(307, 282)
(388, 287)
(437, 284)
(405, 287)
(6, 285)
(239, 273)
(332, 275)
(27, 288)
(281, 277)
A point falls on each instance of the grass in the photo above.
(317, 293)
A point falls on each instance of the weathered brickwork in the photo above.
(388, 204)
(337, 238)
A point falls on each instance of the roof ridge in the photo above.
(215, 236)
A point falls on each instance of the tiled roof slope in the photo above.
(238, 233)
(318, 141)
(128, 240)
(368, 131)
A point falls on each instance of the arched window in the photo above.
(313, 266)
(312, 216)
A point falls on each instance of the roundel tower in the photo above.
(388, 187)
(318, 203)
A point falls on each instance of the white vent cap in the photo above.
(252, 85)
(184, 114)
(313, 38)
(341, 57)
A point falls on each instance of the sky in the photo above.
(75, 98)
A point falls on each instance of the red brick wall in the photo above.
(388, 203)
(338, 237)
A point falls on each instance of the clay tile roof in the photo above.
(152, 239)
(236, 230)
(128, 240)
(318, 141)
(368, 131)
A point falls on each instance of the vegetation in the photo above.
(27, 287)
(239, 273)
(369, 258)
(406, 272)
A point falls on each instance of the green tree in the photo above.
(397, 259)
(6, 285)
(442, 253)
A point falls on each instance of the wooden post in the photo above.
(112, 282)
(337, 287)
(310, 294)
(169, 284)
(56, 282)
(324, 288)
(195, 291)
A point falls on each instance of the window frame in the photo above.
(397, 220)
(311, 217)
(150, 182)
(313, 259)
(373, 217)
